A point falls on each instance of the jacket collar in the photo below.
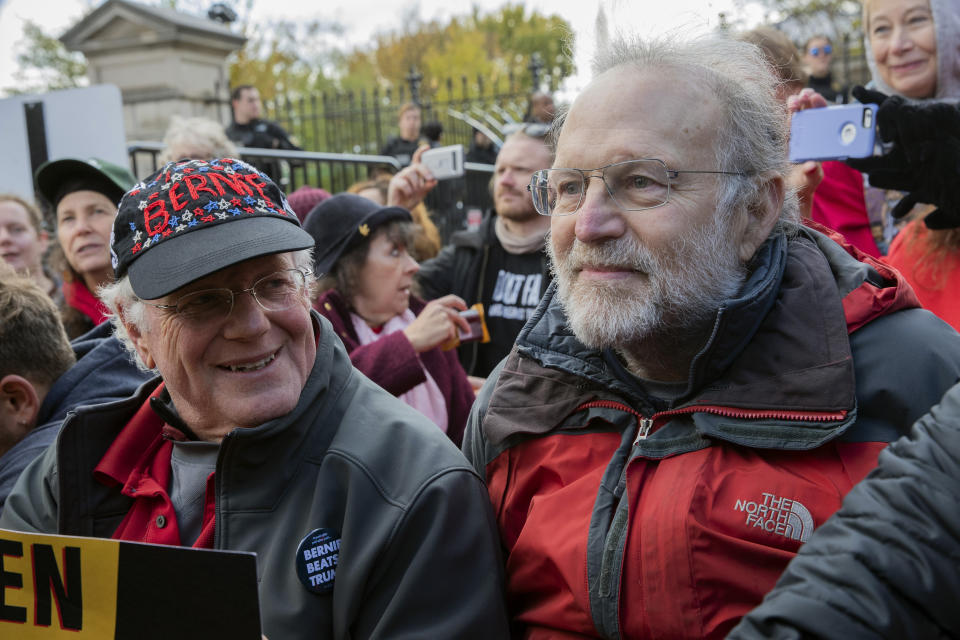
(780, 346)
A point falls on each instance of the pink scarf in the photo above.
(426, 397)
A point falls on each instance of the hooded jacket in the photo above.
(104, 372)
(623, 521)
(417, 552)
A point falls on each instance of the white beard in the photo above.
(679, 289)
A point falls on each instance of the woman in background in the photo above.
(24, 243)
(392, 336)
(912, 50)
(84, 194)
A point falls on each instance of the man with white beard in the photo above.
(706, 378)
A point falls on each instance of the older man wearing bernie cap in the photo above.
(259, 435)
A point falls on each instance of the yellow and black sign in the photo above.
(72, 587)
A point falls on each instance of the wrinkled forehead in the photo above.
(627, 113)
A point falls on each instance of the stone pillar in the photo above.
(164, 62)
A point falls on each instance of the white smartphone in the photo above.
(444, 162)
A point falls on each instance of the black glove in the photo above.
(925, 158)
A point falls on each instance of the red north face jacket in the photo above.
(622, 521)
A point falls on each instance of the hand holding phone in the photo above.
(833, 133)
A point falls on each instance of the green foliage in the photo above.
(488, 46)
(286, 57)
(44, 64)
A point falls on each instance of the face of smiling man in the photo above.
(240, 371)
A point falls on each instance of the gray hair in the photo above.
(186, 136)
(124, 304)
(754, 137)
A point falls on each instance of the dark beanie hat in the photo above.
(342, 222)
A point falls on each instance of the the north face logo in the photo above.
(782, 516)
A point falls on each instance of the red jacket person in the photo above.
(705, 379)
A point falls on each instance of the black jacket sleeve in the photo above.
(885, 565)
(436, 275)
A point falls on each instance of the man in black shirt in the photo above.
(248, 129)
(402, 147)
(502, 264)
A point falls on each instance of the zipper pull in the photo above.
(645, 424)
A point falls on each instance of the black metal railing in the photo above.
(463, 198)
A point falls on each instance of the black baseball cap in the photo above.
(340, 223)
(195, 217)
(57, 178)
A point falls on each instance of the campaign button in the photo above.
(317, 560)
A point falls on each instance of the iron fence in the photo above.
(362, 121)
(464, 199)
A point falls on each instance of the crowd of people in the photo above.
(703, 404)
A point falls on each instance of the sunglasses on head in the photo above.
(825, 49)
(532, 129)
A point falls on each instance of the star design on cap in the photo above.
(207, 219)
(188, 215)
(137, 247)
(222, 215)
(167, 232)
(146, 243)
(249, 209)
(210, 206)
(235, 211)
(228, 170)
(156, 237)
(181, 227)
(192, 223)
(250, 200)
(137, 236)
(223, 204)
(235, 201)
(203, 169)
(143, 205)
(177, 177)
(165, 186)
(364, 230)
(174, 221)
(198, 211)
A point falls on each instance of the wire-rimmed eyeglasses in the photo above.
(634, 185)
(275, 292)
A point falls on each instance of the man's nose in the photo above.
(599, 218)
(247, 318)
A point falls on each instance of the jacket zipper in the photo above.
(646, 424)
